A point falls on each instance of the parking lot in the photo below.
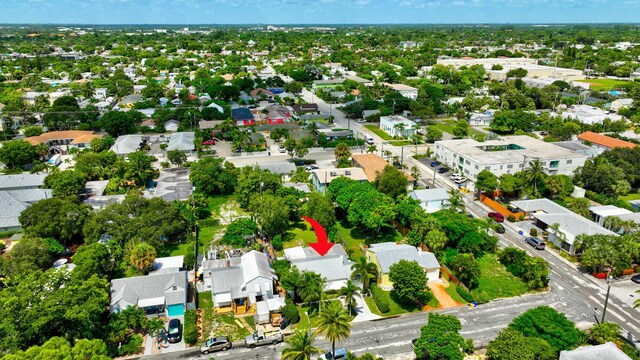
(443, 170)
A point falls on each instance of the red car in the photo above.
(496, 216)
(209, 142)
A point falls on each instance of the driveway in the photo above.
(439, 291)
(363, 312)
(168, 347)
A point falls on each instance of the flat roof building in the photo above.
(388, 124)
(322, 178)
(507, 155)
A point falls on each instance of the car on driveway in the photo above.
(220, 343)
(496, 216)
(174, 333)
(434, 163)
(636, 278)
(535, 242)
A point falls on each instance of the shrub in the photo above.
(277, 243)
(290, 312)
(2, 244)
(624, 272)
(533, 232)
(190, 329)
(511, 218)
(133, 346)
(600, 275)
(381, 299)
(521, 217)
(464, 294)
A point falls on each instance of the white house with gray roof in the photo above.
(13, 202)
(334, 266)
(547, 215)
(21, 181)
(384, 255)
(163, 293)
(126, 144)
(431, 200)
(237, 284)
(182, 141)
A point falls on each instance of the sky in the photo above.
(318, 11)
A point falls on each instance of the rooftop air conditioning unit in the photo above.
(347, 172)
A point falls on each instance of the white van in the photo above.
(368, 139)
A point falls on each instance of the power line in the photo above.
(91, 111)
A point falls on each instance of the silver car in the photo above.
(220, 343)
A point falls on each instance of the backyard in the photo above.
(448, 126)
(495, 281)
(603, 84)
(221, 324)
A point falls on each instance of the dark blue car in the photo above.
(434, 163)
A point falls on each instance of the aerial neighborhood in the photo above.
(319, 192)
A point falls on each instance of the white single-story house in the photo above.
(334, 266)
(431, 200)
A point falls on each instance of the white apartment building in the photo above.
(507, 155)
(405, 90)
(388, 124)
(531, 65)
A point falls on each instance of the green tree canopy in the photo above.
(16, 154)
(392, 182)
(409, 282)
(546, 323)
(61, 219)
(440, 338)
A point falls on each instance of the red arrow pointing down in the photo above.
(323, 245)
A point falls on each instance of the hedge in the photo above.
(464, 294)
(190, 329)
(381, 299)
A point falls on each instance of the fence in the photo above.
(496, 206)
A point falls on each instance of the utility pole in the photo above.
(401, 156)
(606, 299)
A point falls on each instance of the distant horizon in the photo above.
(318, 24)
(318, 12)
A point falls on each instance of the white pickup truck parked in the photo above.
(258, 338)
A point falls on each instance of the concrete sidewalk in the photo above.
(363, 312)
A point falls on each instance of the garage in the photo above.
(175, 310)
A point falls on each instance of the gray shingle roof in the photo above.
(330, 267)
(10, 209)
(608, 351)
(30, 195)
(390, 253)
(233, 276)
(21, 181)
(182, 141)
(126, 144)
(283, 168)
(136, 289)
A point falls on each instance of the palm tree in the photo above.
(300, 346)
(142, 256)
(399, 127)
(311, 287)
(334, 323)
(455, 200)
(139, 168)
(429, 152)
(621, 187)
(42, 150)
(364, 270)
(372, 149)
(350, 291)
(88, 91)
(534, 174)
(612, 223)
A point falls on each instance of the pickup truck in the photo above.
(258, 338)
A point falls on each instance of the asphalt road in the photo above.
(579, 296)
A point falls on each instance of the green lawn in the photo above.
(395, 306)
(222, 324)
(400, 142)
(216, 202)
(630, 197)
(495, 281)
(301, 234)
(451, 290)
(376, 130)
(176, 249)
(312, 310)
(353, 237)
(448, 126)
(204, 300)
(603, 84)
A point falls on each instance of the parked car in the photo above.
(174, 333)
(368, 139)
(434, 163)
(258, 338)
(636, 278)
(209, 142)
(340, 354)
(442, 170)
(455, 175)
(460, 180)
(215, 344)
(496, 216)
(535, 242)
(360, 121)
(499, 229)
(311, 167)
(282, 149)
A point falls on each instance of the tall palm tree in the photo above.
(350, 291)
(42, 150)
(534, 174)
(366, 271)
(334, 324)
(621, 187)
(139, 168)
(300, 346)
(455, 200)
(311, 287)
